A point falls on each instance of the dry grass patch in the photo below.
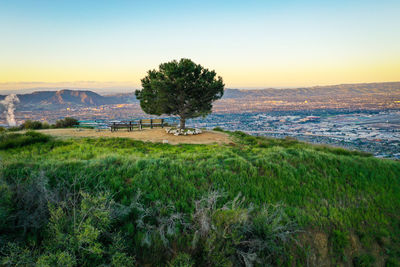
(152, 135)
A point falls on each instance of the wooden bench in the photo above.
(151, 123)
(129, 125)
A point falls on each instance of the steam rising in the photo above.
(8, 103)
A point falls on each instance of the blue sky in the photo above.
(251, 44)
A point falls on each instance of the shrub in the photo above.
(45, 125)
(66, 123)
(30, 200)
(122, 259)
(236, 235)
(364, 260)
(218, 129)
(14, 129)
(339, 241)
(181, 260)
(81, 228)
(32, 125)
(6, 205)
(8, 141)
(59, 259)
(392, 262)
(12, 254)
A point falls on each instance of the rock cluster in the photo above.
(177, 131)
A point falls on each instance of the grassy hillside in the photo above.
(255, 202)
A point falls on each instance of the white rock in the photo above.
(178, 131)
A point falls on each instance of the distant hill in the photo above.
(84, 98)
(366, 96)
(68, 98)
(63, 97)
(329, 90)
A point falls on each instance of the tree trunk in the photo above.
(182, 123)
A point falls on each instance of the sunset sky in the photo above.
(251, 44)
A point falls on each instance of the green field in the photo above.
(254, 202)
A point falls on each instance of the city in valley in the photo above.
(365, 117)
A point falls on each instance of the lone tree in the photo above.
(182, 88)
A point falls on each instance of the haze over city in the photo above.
(252, 44)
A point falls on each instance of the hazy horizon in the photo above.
(109, 87)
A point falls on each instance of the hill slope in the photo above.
(109, 201)
(319, 91)
(68, 98)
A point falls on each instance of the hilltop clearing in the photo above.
(151, 135)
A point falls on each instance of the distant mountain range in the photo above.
(69, 98)
(49, 100)
(330, 90)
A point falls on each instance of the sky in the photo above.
(251, 44)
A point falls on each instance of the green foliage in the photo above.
(34, 125)
(12, 254)
(90, 202)
(392, 262)
(122, 259)
(79, 233)
(67, 122)
(218, 129)
(6, 201)
(181, 88)
(14, 129)
(240, 235)
(339, 241)
(12, 140)
(181, 260)
(59, 259)
(364, 260)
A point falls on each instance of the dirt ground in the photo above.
(153, 135)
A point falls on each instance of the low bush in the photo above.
(66, 123)
(364, 260)
(235, 234)
(34, 125)
(181, 260)
(12, 140)
(75, 228)
(14, 129)
(218, 129)
(339, 242)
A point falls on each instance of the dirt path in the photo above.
(153, 135)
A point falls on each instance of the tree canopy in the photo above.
(183, 88)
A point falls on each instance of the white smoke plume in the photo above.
(9, 104)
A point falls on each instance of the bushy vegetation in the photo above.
(37, 125)
(120, 202)
(12, 140)
(34, 125)
(66, 123)
(366, 260)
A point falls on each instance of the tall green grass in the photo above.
(13, 140)
(318, 187)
